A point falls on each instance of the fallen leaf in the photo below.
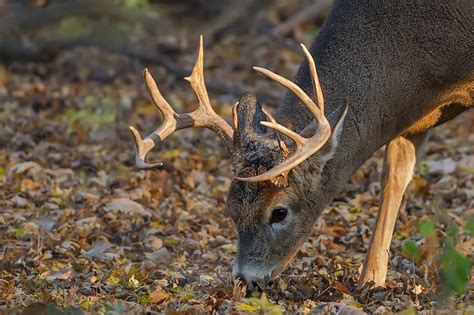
(62, 274)
(128, 207)
(158, 296)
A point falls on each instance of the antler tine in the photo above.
(158, 99)
(281, 143)
(143, 146)
(196, 79)
(204, 116)
(305, 147)
(314, 76)
(235, 119)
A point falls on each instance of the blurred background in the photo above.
(83, 60)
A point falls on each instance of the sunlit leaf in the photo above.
(73, 27)
(455, 270)
(470, 226)
(427, 227)
(411, 249)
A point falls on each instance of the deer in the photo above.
(379, 73)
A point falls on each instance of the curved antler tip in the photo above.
(148, 76)
(306, 52)
(135, 134)
(146, 73)
(303, 46)
(142, 165)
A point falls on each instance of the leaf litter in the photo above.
(81, 230)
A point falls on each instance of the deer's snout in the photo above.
(250, 274)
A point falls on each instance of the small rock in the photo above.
(128, 207)
(19, 202)
(153, 242)
(159, 256)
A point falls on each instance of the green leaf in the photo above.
(92, 114)
(470, 226)
(170, 154)
(261, 305)
(86, 304)
(19, 233)
(74, 27)
(409, 311)
(107, 307)
(248, 308)
(144, 299)
(455, 269)
(411, 249)
(453, 231)
(427, 228)
(134, 3)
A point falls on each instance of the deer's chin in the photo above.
(276, 272)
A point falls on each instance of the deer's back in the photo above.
(393, 61)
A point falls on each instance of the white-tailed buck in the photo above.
(387, 72)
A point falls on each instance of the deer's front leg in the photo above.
(399, 162)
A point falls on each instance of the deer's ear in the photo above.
(336, 135)
(249, 115)
(253, 146)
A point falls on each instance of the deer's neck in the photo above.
(378, 57)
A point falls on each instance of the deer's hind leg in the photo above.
(398, 166)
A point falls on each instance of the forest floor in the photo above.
(82, 231)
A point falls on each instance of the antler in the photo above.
(305, 147)
(203, 116)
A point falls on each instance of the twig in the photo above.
(20, 20)
(38, 243)
(12, 49)
(319, 9)
(321, 294)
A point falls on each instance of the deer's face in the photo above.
(272, 222)
(273, 217)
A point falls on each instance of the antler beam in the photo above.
(203, 116)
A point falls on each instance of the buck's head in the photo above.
(277, 170)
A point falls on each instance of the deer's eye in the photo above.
(278, 215)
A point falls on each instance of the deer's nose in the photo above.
(246, 275)
(238, 275)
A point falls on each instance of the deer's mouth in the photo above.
(259, 287)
